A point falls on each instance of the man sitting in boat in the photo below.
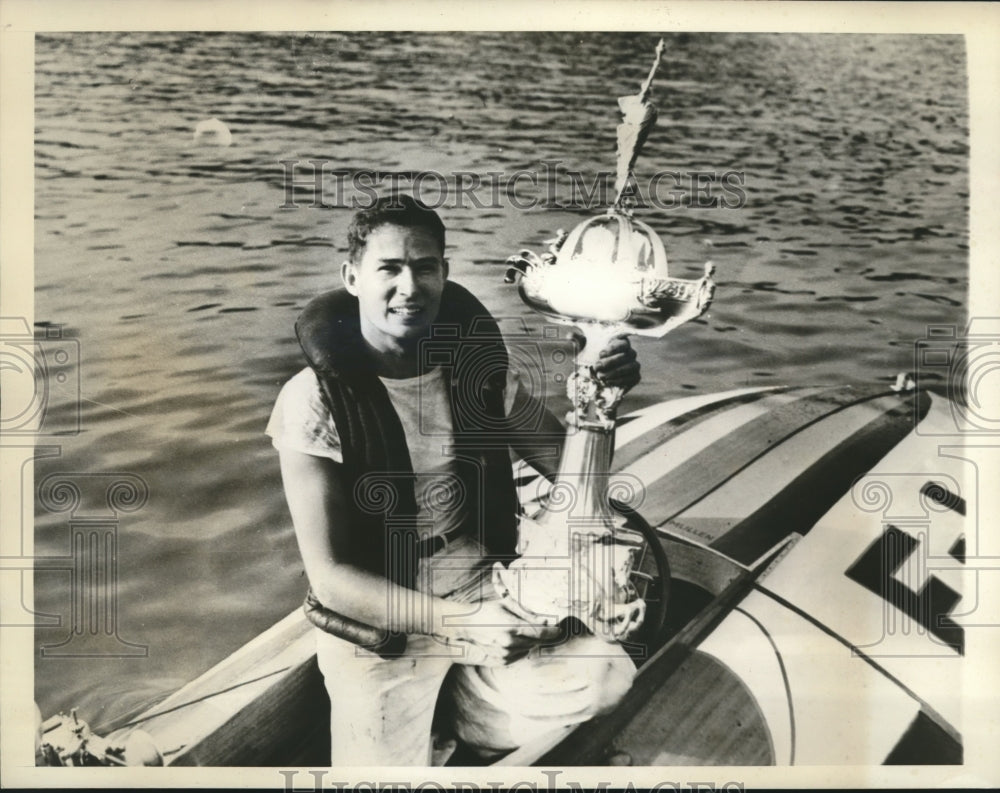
(394, 446)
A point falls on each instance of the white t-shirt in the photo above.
(301, 422)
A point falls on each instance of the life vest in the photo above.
(466, 343)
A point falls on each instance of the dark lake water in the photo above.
(173, 265)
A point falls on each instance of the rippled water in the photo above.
(172, 264)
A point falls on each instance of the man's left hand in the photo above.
(617, 365)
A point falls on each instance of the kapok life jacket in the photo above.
(465, 342)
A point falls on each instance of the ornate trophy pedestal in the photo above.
(575, 560)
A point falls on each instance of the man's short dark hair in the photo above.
(397, 210)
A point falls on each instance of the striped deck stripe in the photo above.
(699, 445)
(684, 470)
(679, 445)
(638, 424)
(643, 431)
(774, 472)
(797, 507)
(684, 409)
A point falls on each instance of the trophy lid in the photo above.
(596, 274)
(630, 247)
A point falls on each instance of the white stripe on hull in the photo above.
(653, 466)
(763, 479)
(662, 412)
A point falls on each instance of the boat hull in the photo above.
(732, 484)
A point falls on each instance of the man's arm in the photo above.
(541, 444)
(318, 503)
(319, 506)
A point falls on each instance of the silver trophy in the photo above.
(606, 277)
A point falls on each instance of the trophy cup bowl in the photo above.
(609, 276)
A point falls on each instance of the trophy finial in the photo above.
(638, 117)
(646, 86)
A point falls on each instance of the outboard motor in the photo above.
(68, 741)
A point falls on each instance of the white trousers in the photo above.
(382, 709)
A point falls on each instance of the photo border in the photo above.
(20, 20)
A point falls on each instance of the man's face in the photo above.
(398, 281)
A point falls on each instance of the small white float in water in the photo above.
(213, 132)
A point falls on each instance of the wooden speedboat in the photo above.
(807, 621)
